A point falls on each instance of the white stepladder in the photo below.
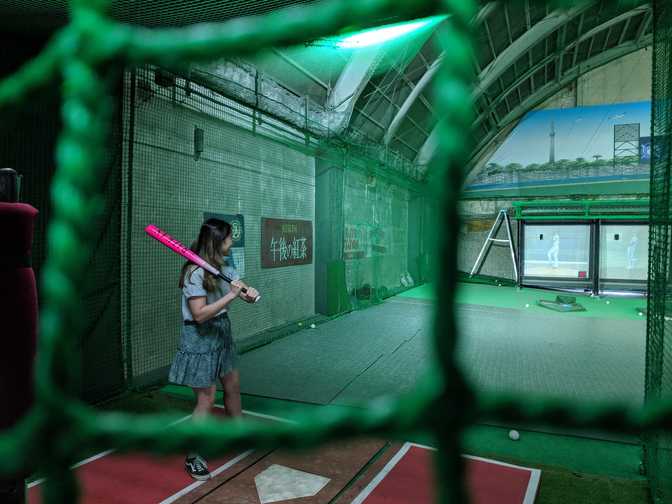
(502, 217)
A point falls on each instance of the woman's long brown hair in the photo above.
(208, 246)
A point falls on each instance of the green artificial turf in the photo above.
(513, 297)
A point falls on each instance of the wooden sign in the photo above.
(286, 242)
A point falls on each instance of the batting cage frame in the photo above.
(59, 427)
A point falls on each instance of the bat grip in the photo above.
(227, 279)
(244, 291)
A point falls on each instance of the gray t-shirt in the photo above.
(193, 287)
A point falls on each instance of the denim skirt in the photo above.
(207, 351)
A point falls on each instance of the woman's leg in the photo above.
(205, 399)
(231, 384)
(194, 464)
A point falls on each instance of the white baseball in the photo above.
(514, 435)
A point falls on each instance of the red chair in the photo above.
(18, 322)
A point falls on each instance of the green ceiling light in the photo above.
(386, 33)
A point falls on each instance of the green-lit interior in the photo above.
(413, 219)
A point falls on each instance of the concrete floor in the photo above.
(384, 349)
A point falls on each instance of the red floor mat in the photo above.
(408, 477)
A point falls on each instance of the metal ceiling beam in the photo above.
(428, 149)
(576, 48)
(422, 57)
(523, 44)
(508, 23)
(547, 91)
(401, 72)
(624, 31)
(548, 59)
(590, 47)
(382, 127)
(301, 68)
(410, 84)
(490, 42)
(382, 93)
(410, 100)
(350, 84)
(522, 78)
(528, 17)
(419, 87)
(391, 83)
(484, 12)
(561, 45)
(606, 39)
(645, 26)
(608, 24)
(477, 65)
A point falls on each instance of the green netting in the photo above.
(28, 135)
(59, 427)
(658, 444)
(255, 165)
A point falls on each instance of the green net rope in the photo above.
(59, 427)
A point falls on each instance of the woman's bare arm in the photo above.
(201, 311)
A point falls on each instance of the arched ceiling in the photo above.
(562, 46)
(525, 53)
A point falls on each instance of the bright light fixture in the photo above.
(385, 33)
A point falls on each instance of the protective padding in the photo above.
(18, 311)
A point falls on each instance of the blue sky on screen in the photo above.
(579, 133)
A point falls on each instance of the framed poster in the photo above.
(236, 257)
(286, 242)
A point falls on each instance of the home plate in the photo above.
(309, 476)
(278, 483)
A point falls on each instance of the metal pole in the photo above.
(485, 246)
(513, 252)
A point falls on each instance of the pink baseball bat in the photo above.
(176, 246)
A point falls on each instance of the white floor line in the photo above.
(262, 415)
(230, 463)
(532, 484)
(426, 447)
(269, 417)
(382, 474)
(98, 456)
(108, 452)
(530, 493)
(532, 487)
(214, 473)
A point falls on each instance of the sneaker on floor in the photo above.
(197, 468)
